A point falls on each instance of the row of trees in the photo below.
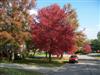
(95, 43)
(53, 30)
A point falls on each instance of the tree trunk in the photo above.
(8, 55)
(50, 57)
(46, 53)
(1, 55)
(57, 56)
(13, 56)
(34, 52)
(61, 56)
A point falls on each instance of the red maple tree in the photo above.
(87, 48)
(51, 34)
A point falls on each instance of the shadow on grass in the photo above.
(95, 55)
(41, 61)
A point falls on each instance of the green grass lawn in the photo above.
(42, 62)
(97, 55)
(10, 71)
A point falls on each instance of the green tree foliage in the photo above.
(95, 45)
(98, 36)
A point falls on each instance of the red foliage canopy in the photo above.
(87, 48)
(51, 34)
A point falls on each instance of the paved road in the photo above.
(85, 67)
(77, 69)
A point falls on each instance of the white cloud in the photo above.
(91, 32)
(33, 12)
(98, 26)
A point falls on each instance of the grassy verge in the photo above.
(41, 61)
(10, 71)
(97, 55)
